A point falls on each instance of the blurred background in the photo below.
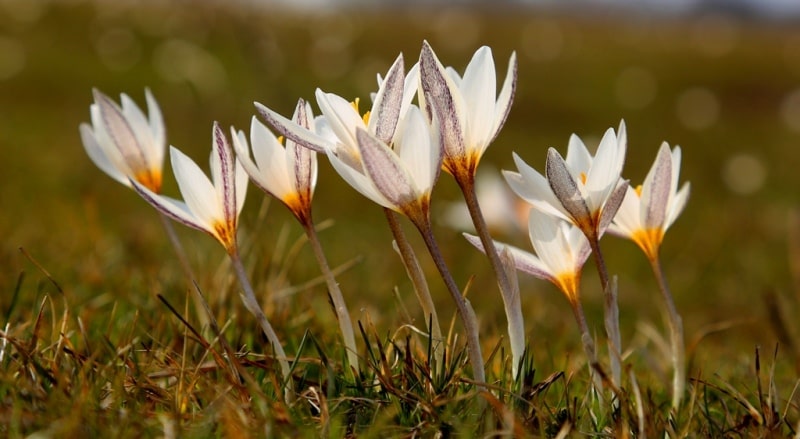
(719, 78)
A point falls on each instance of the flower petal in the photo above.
(358, 181)
(478, 88)
(294, 131)
(388, 102)
(656, 190)
(506, 97)
(198, 193)
(387, 173)
(566, 189)
(443, 98)
(100, 156)
(172, 208)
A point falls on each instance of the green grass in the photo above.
(93, 351)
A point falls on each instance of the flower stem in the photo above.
(588, 344)
(511, 299)
(463, 307)
(199, 307)
(676, 334)
(611, 312)
(251, 303)
(339, 307)
(419, 282)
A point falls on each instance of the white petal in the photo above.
(678, 204)
(358, 181)
(444, 98)
(99, 155)
(565, 188)
(628, 219)
(198, 192)
(294, 131)
(271, 158)
(656, 190)
(157, 128)
(478, 88)
(175, 209)
(341, 116)
(523, 261)
(388, 101)
(578, 158)
(506, 97)
(416, 148)
(386, 171)
(604, 173)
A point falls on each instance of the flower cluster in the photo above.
(422, 120)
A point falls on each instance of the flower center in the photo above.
(365, 116)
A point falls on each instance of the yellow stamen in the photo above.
(365, 117)
(281, 140)
(639, 191)
(583, 177)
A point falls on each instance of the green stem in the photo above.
(251, 303)
(339, 307)
(463, 307)
(419, 282)
(611, 313)
(511, 299)
(676, 334)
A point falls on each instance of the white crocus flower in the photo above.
(341, 119)
(649, 210)
(123, 142)
(561, 251)
(644, 216)
(211, 206)
(470, 112)
(399, 178)
(582, 189)
(287, 173)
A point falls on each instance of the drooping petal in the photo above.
(524, 261)
(292, 130)
(533, 187)
(172, 208)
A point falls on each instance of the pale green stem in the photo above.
(251, 303)
(420, 284)
(463, 307)
(511, 299)
(339, 307)
(588, 345)
(611, 313)
(199, 307)
(676, 334)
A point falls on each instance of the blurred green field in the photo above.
(726, 90)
